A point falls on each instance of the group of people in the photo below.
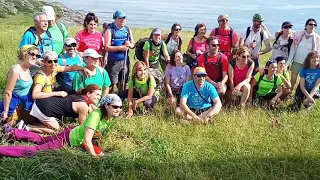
(59, 76)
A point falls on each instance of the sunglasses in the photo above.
(201, 75)
(71, 45)
(116, 107)
(287, 27)
(313, 25)
(53, 61)
(178, 29)
(34, 54)
(244, 57)
(215, 45)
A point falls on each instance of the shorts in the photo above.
(16, 100)
(295, 67)
(115, 70)
(266, 97)
(199, 111)
(35, 112)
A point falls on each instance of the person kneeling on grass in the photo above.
(176, 76)
(199, 99)
(98, 121)
(141, 86)
(267, 87)
(308, 89)
(46, 110)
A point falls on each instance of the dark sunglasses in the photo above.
(178, 29)
(245, 57)
(34, 54)
(313, 25)
(215, 45)
(71, 45)
(116, 107)
(53, 61)
(287, 27)
(201, 75)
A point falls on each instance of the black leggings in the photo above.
(299, 97)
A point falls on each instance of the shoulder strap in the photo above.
(261, 36)
(260, 79)
(205, 57)
(230, 37)
(60, 28)
(83, 76)
(275, 78)
(40, 72)
(249, 63)
(34, 32)
(277, 38)
(168, 38)
(233, 63)
(128, 33)
(290, 41)
(216, 31)
(101, 70)
(247, 33)
(200, 93)
(112, 32)
(150, 44)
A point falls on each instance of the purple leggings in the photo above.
(43, 143)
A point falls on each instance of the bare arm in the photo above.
(241, 42)
(88, 134)
(252, 84)
(285, 81)
(186, 109)
(38, 94)
(82, 109)
(107, 41)
(169, 91)
(224, 77)
(105, 91)
(189, 53)
(268, 47)
(248, 76)
(315, 88)
(71, 68)
(231, 75)
(146, 58)
(146, 97)
(216, 107)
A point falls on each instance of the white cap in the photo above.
(50, 12)
(69, 41)
(91, 53)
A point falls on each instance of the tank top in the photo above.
(239, 74)
(22, 87)
(172, 45)
(59, 106)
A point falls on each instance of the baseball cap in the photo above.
(257, 17)
(69, 41)
(223, 16)
(91, 53)
(287, 23)
(199, 71)
(112, 99)
(51, 15)
(156, 31)
(119, 14)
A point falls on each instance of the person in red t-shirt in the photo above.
(227, 37)
(216, 64)
(240, 72)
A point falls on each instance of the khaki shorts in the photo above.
(295, 67)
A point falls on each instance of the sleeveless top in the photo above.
(22, 87)
(59, 106)
(118, 38)
(240, 74)
(172, 45)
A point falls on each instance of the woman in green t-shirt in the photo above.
(98, 121)
(267, 87)
(142, 87)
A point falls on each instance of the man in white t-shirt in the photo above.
(253, 38)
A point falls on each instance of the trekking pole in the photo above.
(123, 80)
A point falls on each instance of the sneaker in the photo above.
(21, 125)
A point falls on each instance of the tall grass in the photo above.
(158, 146)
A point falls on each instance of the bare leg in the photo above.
(294, 77)
(46, 127)
(245, 94)
(285, 93)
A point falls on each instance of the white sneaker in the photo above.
(21, 125)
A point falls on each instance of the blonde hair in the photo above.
(242, 49)
(136, 67)
(24, 50)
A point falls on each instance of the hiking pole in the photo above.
(123, 80)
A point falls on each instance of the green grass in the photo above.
(158, 146)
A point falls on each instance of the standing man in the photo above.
(216, 64)
(118, 39)
(199, 99)
(253, 38)
(38, 35)
(58, 30)
(227, 37)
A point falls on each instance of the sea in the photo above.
(164, 13)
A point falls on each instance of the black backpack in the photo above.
(248, 32)
(290, 41)
(230, 35)
(233, 63)
(275, 78)
(139, 51)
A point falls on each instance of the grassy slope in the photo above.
(159, 147)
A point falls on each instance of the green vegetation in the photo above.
(158, 146)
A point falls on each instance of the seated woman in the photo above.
(308, 89)
(240, 72)
(46, 110)
(176, 76)
(19, 82)
(141, 86)
(153, 49)
(100, 120)
(267, 87)
(284, 75)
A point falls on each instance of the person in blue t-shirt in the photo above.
(199, 99)
(308, 89)
(38, 35)
(70, 58)
(118, 39)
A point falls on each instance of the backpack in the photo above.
(112, 29)
(139, 52)
(38, 39)
(275, 78)
(158, 78)
(233, 63)
(248, 32)
(188, 59)
(219, 64)
(83, 75)
(290, 41)
(230, 35)
(46, 84)
(60, 26)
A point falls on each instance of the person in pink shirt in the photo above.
(89, 37)
(227, 37)
(240, 72)
(197, 44)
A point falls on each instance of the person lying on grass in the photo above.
(176, 76)
(199, 99)
(240, 72)
(100, 120)
(48, 110)
(142, 87)
(266, 88)
(308, 89)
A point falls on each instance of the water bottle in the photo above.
(195, 62)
